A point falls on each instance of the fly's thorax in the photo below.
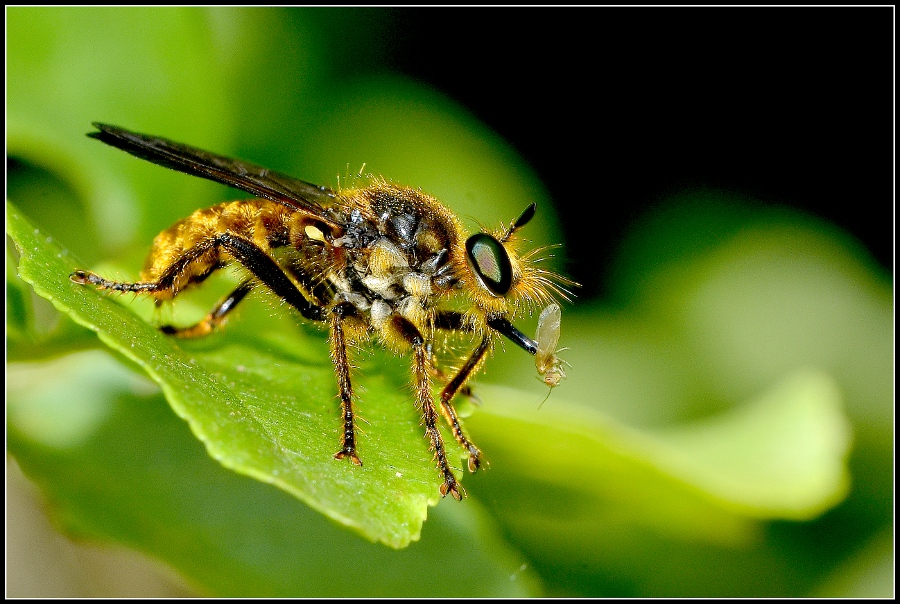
(418, 285)
(395, 258)
(397, 243)
(402, 247)
(415, 223)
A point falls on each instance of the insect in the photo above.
(380, 261)
(549, 365)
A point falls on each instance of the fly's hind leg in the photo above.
(267, 273)
(199, 261)
(216, 316)
(193, 265)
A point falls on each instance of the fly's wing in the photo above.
(259, 181)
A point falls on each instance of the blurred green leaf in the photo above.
(770, 295)
(781, 456)
(869, 573)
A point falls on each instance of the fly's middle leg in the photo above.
(425, 402)
(338, 343)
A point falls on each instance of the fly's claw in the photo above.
(474, 458)
(83, 277)
(454, 488)
(349, 453)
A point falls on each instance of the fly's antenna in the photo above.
(521, 221)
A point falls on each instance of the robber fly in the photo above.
(381, 260)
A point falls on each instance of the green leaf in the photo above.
(114, 462)
(265, 405)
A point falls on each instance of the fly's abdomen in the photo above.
(189, 250)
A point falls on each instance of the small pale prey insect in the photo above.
(382, 261)
(548, 364)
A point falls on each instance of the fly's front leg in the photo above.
(439, 373)
(455, 321)
(449, 412)
(452, 320)
(342, 371)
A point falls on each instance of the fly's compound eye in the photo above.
(491, 263)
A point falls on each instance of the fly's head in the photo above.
(499, 278)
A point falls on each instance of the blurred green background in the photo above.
(727, 425)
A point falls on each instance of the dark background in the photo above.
(617, 108)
